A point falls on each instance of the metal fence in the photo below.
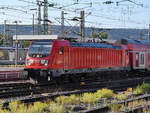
(7, 55)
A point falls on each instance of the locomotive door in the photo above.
(63, 58)
(60, 58)
(66, 57)
(137, 59)
(142, 60)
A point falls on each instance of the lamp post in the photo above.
(62, 22)
(16, 44)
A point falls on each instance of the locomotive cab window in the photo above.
(61, 50)
(40, 49)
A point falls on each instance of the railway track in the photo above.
(26, 88)
(138, 109)
(40, 92)
(106, 109)
(12, 74)
(26, 92)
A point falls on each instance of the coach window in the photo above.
(149, 48)
(137, 59)
(142, 59)
(127, 52)
(61, 50)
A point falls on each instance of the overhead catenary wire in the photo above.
(74, 7)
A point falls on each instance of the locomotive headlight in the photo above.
(46, 63)
(29, 62)
(43, 61)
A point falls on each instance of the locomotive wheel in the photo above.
(32, 76)
(34, 81)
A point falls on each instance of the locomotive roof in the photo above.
(86, 44)
(133, 41)
(94, 45)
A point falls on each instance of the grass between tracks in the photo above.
(68, 104)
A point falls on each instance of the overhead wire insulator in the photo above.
(108, 2)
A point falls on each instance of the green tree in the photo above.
(8, 41)
(103, 35)
(1, 40)
(26, 43)
(93, 34)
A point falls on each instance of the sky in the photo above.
(125, 14)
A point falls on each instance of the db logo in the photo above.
(37, 61)
(59, 62)
(99, 57)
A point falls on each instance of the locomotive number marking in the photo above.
(59, 62)
(37, 61)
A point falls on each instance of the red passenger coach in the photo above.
(53, 58)
(139, 53)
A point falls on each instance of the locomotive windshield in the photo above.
(40, 49)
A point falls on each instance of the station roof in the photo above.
(35, 37)
(10, 48)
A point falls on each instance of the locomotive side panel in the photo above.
(77, 58)
(85, 58)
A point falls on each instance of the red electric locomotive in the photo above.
(48, 59)
(54, 58)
